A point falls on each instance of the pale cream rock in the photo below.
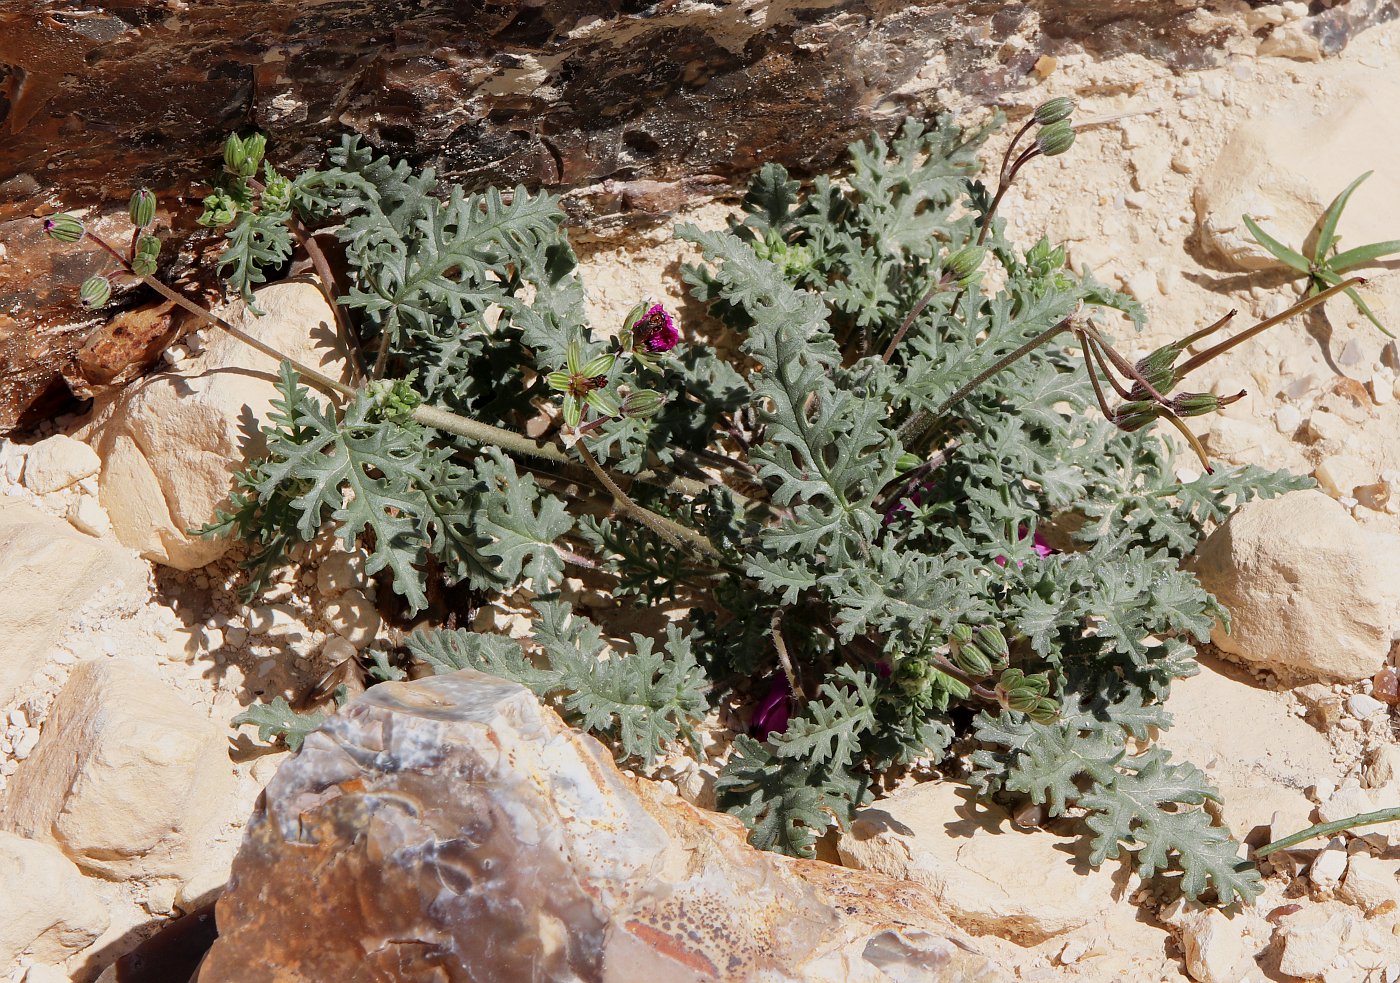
(1308, 590)
(127, 779)
(46, 974)
(990, 877)
(1252, 747)
(57, 462)
(1371, 883)
(1212, 942)
(337, 650)
(49, 575)
(340, 572)
(1340, 474)
(1382, 766)
(47, 910)
(1353, 800)
(353, 617)
(1265, 171)
(88, 516)
(1329, 866)
(1331, 942)
(171, 442)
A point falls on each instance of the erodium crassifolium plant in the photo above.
(906, 521)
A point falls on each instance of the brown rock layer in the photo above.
(453, 829)
(638, 106)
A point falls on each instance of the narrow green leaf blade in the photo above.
(1362, 255)
(1288, 257)
(1328, 235)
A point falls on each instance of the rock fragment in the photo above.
(57, 462)
(452, 828)
(1308, 590)
(47, 910)
(127, 780)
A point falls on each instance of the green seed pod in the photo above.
(95, 292)
(1135, 415)
(972, 660)
(963, 265)
(1055, 139)
(142, 208)
(1199, 404)
(1158, 367)
(1054, 110)
(63, 228)
(642, 403)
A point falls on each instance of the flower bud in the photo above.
(95, 292)
(598, 365)
(63, 228)
(963, 265)
(1199, 404)
(1054, 110)
(219, 209)
(993, 644)
(1017, 691)
(144, 262)
(642, 403)
(1055, 139)
(1045, 711)
(142, 208)
(243, 156)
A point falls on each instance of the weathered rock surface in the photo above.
(1328, 941)
(637, 105)
(127, 779)
(990, 877)
(452, 828)
(47, 910)
(1308, 590)
(1283, 182)
(57, 462)
(1253, 749)
(171, 442)
(48, 573)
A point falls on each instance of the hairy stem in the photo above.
(1298, 308)
(1326, 829)
(780, 644)
(672, 532)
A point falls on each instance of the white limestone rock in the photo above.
(1308, 590)
(990, 877)
(171, 442)
(127, 779)
(50, 574)
(57, 462)
(48, 911)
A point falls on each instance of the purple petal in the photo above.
(771, 714)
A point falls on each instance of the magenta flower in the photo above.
(1038, 543)
(655, 332)
(771, 714)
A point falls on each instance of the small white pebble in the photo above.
(235, 637)
(353, 617)
(25, 745)
(1362, 706)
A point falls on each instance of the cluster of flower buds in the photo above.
(979, 652)
(394, 399)
(1056, 133)
(242, 156)
(1027, 694)
(794, 259)
(140, 258)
